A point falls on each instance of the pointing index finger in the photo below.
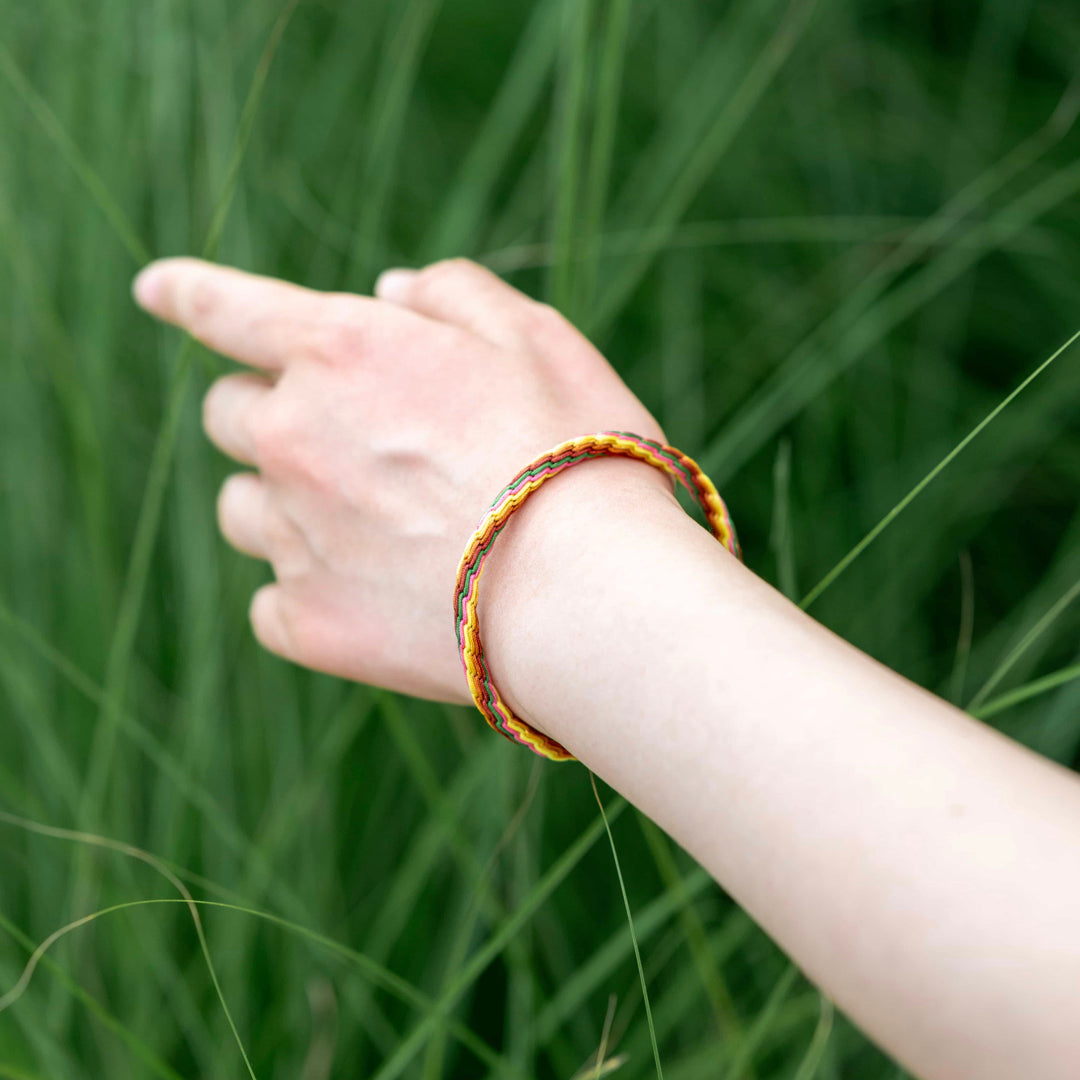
(259, 321)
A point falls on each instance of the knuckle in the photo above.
(337, 335)
(335, 341)
(445, 273)
(458, 265)
(280, 538)
(284, 543)
(282, 438)
(311, 470)
(274, 428)
(199, 301)
(538, 319)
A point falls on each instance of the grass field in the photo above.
(822, 240)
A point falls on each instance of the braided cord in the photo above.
(466, 593)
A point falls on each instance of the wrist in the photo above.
(563, 571)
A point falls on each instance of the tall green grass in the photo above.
(822, 240)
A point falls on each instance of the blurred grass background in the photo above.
(820, 239)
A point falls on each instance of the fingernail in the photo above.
(147, 287)
(394, 285)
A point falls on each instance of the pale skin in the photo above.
(921, 868)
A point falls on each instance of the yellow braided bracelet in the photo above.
(497, 713)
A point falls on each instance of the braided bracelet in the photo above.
(497, 713)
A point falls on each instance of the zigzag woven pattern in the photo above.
(466, 593)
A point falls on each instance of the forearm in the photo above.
(919, 866)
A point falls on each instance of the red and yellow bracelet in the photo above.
(466, 594)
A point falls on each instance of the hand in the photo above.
(381, 429)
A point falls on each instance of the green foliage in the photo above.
(822, 240)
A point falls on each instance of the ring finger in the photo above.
(243, 511)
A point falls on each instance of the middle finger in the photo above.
(227, 411)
